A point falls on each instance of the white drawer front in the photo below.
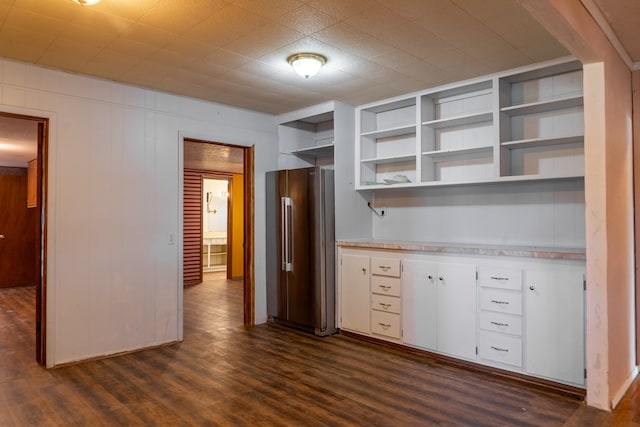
(500, 301)
(498, 277)
(385, 285)
(499, 322)
(500, 348)
(387, 324)
(385, 266)
(385, 303)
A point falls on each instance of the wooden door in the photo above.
(18, 231)
(419, 303)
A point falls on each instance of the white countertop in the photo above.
(469, 249)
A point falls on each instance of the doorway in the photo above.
(23, 185)
(218, 218)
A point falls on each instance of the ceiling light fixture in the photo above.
(306, 64)
(86, 2)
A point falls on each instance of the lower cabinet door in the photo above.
(456, 325)
(419, 303)
(554, 324)
(354, 292)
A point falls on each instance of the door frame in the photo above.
(249, 229)
(41, 246)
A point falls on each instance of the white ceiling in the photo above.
(234, 51)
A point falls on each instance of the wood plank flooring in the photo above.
(229, 375)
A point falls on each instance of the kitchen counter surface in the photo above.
(470, 249)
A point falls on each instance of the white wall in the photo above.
(115, 180)
(548, 214)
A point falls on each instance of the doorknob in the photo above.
(2, 237)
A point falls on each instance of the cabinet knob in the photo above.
(364, 271)
(533, 288)
(430, 277)
(441, 278)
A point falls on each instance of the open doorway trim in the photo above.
(249, 229)
(41, 247)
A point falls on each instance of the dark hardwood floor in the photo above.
(226, 374)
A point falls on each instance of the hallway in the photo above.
(226, 374)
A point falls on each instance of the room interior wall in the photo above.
(609, 198)
(546, 214)
(114, 233)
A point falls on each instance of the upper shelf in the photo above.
(396, 131)
(316, 152)
(543, 106)
(467, 119)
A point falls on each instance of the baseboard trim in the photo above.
(620, 394)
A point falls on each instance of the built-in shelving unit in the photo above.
(309, 134)
(517, 125)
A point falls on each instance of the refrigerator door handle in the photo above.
(285, 233)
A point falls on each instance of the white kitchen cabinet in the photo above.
(517, 125)
(500, 316)
(354, 292)
(554, 324)
(419, 303)
(456, 317)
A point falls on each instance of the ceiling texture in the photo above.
(234, 51)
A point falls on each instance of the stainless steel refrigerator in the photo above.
(301, 249)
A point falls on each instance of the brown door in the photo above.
(18, 231)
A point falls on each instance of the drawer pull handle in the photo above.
(499, 323)
(506, 350)
(384, 267)
(385, 287)
(384, 325)
(384, 306)
(495, 301)
(499, 278)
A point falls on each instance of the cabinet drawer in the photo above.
(499, 322)
(385, 303)
(498, 277)
(500, 348)
(385, 266)
(387, 324)
(500, 301)
(385, 285)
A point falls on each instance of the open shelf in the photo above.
(459, 152)
(391, 132)
(386, 160)
(317, 152)
(541, 142)
(462, 120)
(543, 106)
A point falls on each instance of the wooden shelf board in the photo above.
(319, 151)
(459, 152)
(543, 106)
(467, 119)
(397, 131)
(386, 160)
(542, 142)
